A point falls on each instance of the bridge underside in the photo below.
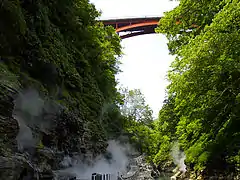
(134, 26)
(137, 31)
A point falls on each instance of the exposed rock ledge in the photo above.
(139, 169)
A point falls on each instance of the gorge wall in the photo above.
(58, 92)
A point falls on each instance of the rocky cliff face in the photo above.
(34, 150)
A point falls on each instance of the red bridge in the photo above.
(133, 26)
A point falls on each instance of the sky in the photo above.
(146, 58)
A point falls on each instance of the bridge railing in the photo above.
(127, 17)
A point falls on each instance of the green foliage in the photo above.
(139, 124)
(163, 153)
(187, 21)
(204, 89)
(58, 47)
(166, 128)
(202, 108)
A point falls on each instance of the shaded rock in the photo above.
(166, 167)
(61, 134)
(47, 175)
(139, 170)
(62, 175)
(6, 100)
(8, 127)
(16, 167)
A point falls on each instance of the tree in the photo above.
(205, 77)
(135, 107)
(138, 119)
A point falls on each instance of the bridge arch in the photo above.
(139, 25)
(133, 26)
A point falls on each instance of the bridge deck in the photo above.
(133, 20)
(119, 23)
(136, 26)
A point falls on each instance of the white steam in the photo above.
(116, 165)
(29, 108)
(30, 102)
(178, 157)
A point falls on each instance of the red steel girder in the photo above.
(145, 25)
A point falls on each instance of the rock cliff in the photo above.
(29, 151)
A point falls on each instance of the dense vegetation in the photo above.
(59, 49)
(202, 108)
